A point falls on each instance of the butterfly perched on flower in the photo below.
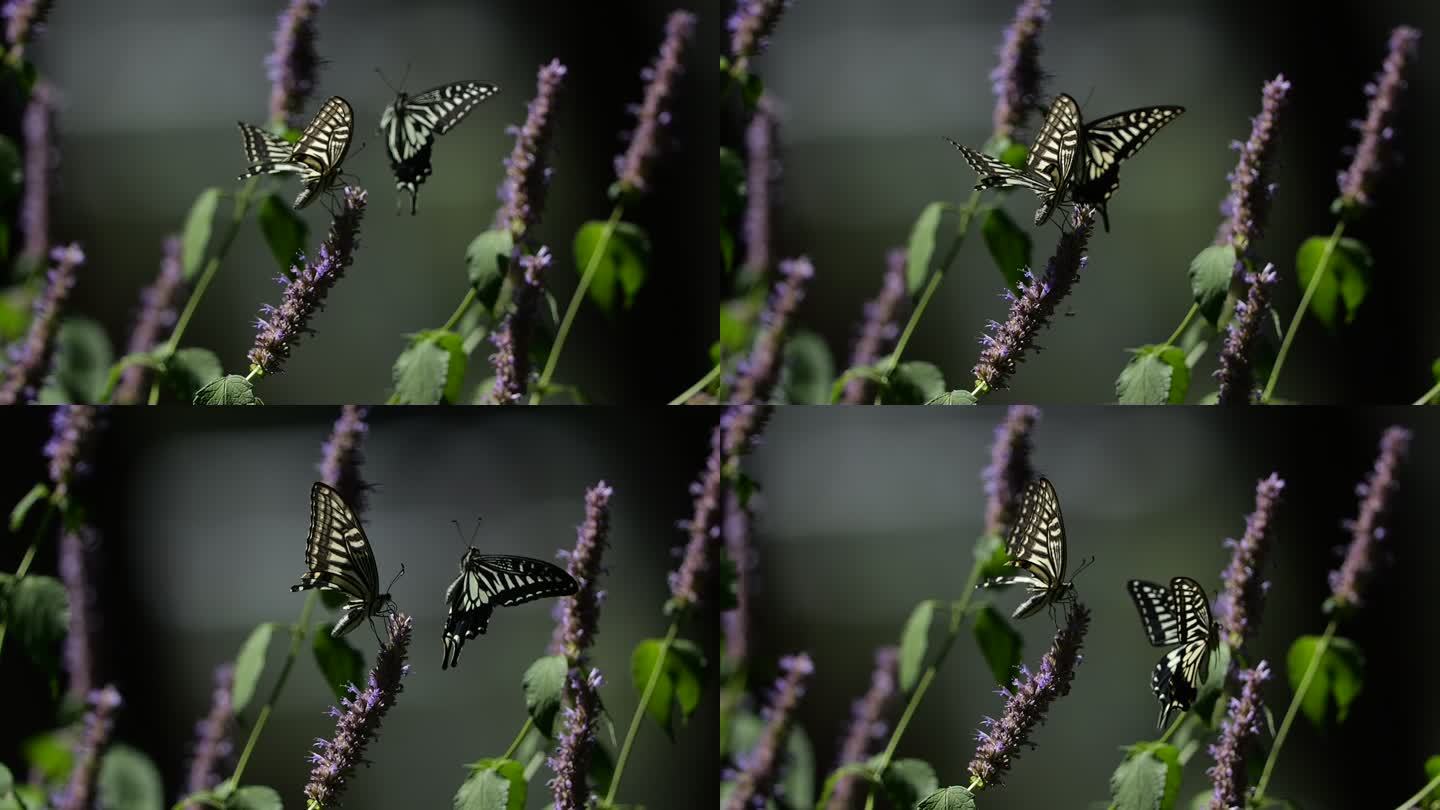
(487, 580)
(1071, 161)
(1179, 614)
(316, 156)
(411, 123)
(339, 557)
(1036, 546)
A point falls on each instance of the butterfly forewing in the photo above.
(1109, 142)
(1052, 155)
(268, 153)
(487, 580)
(996, 173)
(339, 558)
(411, 123)
(1036, 545)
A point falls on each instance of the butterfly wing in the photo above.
(1152, 601)
(337, 552)
(487, 580)
(1036, 545)
(412, 122)
(322, 148)
(1052, 155)
(1109, 142)
(267, 153)
(996, 173)
(1179, 614)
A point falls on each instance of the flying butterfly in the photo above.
(1036, 546)
(412, 122)
(338, 554)
(487, 580)
(316, 157)
(1179, 614)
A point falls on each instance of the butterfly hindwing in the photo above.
(487, 580)
(268, 154)
(411, 123)
(996, 173)
(339, 558)
(1036, 546)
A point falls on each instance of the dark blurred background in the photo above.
(864, 515)
(202, 523)
(868, 89)
(150, 92)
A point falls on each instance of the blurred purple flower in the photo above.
(79, 792)
(1240, 727)
(72, 434)
(157, 314)
(40, 158)
(293, 63)
(735, 527)
(1242, 594)
(77, 547)
(867, 724)
(755, 376)
(1236, 372)
(571, 760)
(1366, 530)
(750, 28)
(306, 285)
(511, 359)
(580, 614)
(30, 359)
(522, 192)
(881, 326)
(761, 171)
(1248, 203)
(1358, 181)
(343, 453)
(23, 20)
(1010, 469)
(212, 736)
(653, 114)
(1016, 79)
(758, 771)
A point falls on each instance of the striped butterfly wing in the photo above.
(322, 148)
(1109, 142)
(267, 153)
(1179, 614)
(339, 558)
(1052, 155)
(996, 173)
(1152, 601)
(412, 122)
(1036, 545)
(487, 580)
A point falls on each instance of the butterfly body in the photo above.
(488, 580)
(411, 123)
(339, 558)
(316, 157)
(1036, 546)
(1176, 615)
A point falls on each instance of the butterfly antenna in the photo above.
(476, 532)
(1085, 563)
(386, 81)
(397, 577)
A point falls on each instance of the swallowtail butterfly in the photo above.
(412, 122)
(1036, 546)
(487, 580)
(1179, 614)
(338, 554)
(316, 157)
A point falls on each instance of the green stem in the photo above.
(1294, 709)
(704, 383)
(640, 712)
(29, 557)
(519, 738)
(1415, 800)
(576, 299)
(1174, 727)
(297, 635)
(975, 784)
(242, 207)
(254, 372)
(1429, 395)
(1299, 316)
(1184, 324)
(460, 311)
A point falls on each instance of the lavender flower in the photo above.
(358, 719)
(511, 359)
(1246, 207)
(79, 793)
(157, 314)
(522, 192)
(580, 613)
(1358, 181)
(759, 770)
(39, 164)
(23, 19)
(761, 168)
(76, 547)
(30, 359)
(881, 327)
(306, 285)
(1039, 298)
(1366, 529)
(571, 761)
(756, 374)
(1010, 468)
(868, 724)
(212, 744)
(293, 63)
(1239, 728)
(1031, 697)
(1237, 607)
(750, 28)
(342, 454)
(1236, 373)
(735, 527)
(653, 114)
(1016, 80)
(72, 430)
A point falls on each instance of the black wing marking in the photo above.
(337, 552)
(996, 173)
(487, 580)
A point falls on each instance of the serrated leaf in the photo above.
(1155, 376)
(254, 797)
(1148, 779)
(22, 508)
(249, 665)
(196, 236)
(921, 247)
(188, 370)
(1009, 246)
(999, 643)
(678, 681)
(231, 389)
(544, 686)
(914, 383)
(957, 397)
(431, 370)
(487, 260)
(907, 781)
(81, 364)
(339, 661)
(1338, 678)
(36, 610)
(914, 642)
(808, 369)
(1345, 282)
(950, 798)
(128, 780)
(493, 784)
(623, 262)
(1210, 274)
(283, 229)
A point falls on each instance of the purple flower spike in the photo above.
(1248, 204)
(212, 743)
(1016, 80)
(157, 315)
(759, 770)
(1039, 298)
(511, 359)
(1236, 372)
(359, 718)
(1240, 727)
(72, 430)
(306, 285)
(735, 526)
(756, 375)
(527, 175)
(751, 26)
(79, 792)
(571, 761)
(1027, 703)
(653, 114)
(40, 157)
(76, 550)
(881, 326)
(30, 359)
(580, 613)
(868, 723)
(1010, 469)
(1367, 528)
(342, 454)
(1242, 595)
(760, 174)
(1358, 181)
(293, 63)
(23, 19)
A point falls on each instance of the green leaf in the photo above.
(16, 307)
(1346, 280)
(799, 781)
(494, 784)
(231, 389)
(860, 770)
(1432, 770)
(1210, 274)
(950, 798)
(957, 397)
(1337, 682)
(999, 643)
(249, 664)
(907, 781)
(487, 260)
(1209, 698)
(1009, 246)
(678, 682)
(188, 370)
(196, 235)
(622, 266)
(37, 612)
(921, 247)
(991, 550)
(7, 782)
(431, 371)
(51, 753)
(914, 641)
(914, 383)
(1013, 154)
(284, 230)
(254, 797)
(1154, 376)
(36, 494)
(544, 685)
(1148, 779)
(129, 781)
(732, 184)
(808, 369)
(339, 661)
(82, 362)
